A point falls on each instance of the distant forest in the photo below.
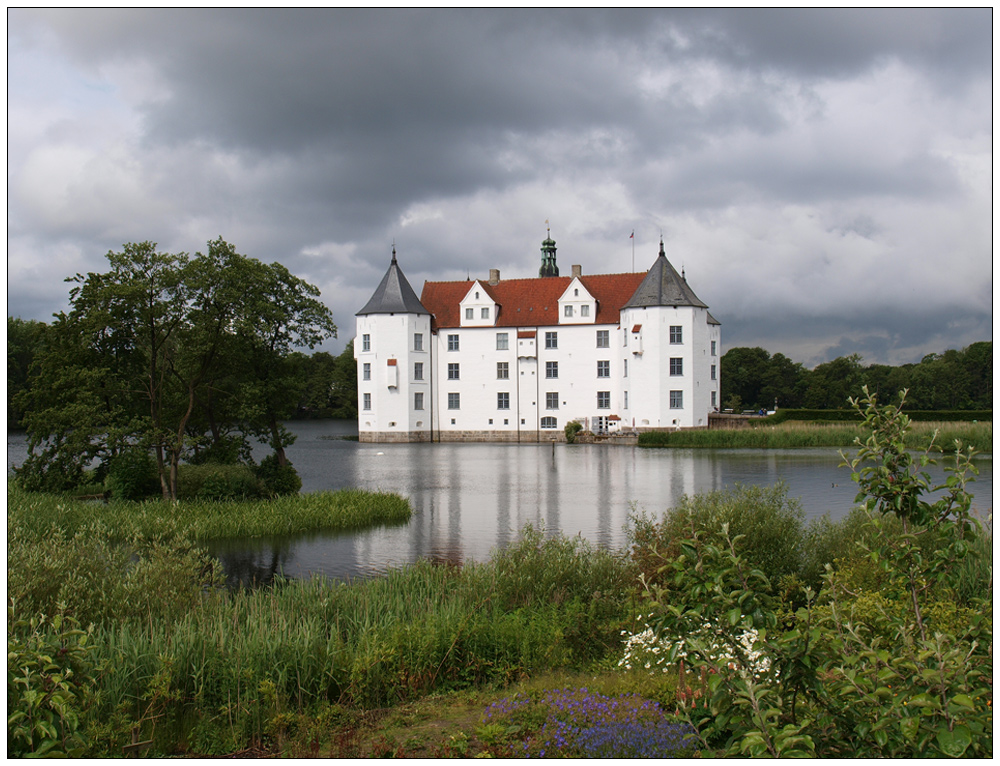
(955, 380)
(326, 385)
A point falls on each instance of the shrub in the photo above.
(212, 481)
(132, 475)
(49, 681)
(278, 479)
(572, 429)
(877, 664)
(768, 520)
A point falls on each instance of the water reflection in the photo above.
(471, 498)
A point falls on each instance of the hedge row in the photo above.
(850, 416)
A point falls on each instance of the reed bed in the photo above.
(232, 669)
(343, 510)
(797, 434)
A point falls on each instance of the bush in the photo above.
(572, 429)
(768, 520)
(212, 481)
(132, 475)
(879, 663)
(278, 479)
(49, 683)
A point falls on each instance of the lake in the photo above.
(471, 498)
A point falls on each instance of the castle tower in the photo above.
(548, 267)
(672, 347)
(393, 352)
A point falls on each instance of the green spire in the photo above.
(548, 268)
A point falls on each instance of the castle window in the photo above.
(713, 348)
(676, 400)
(713, 372)
(604, 400)
(552, 369)
(626, 400)
(418, 370)
(503, 371)
(503, 401)
(715, 402)
(454, 402)
(585, 310)
(548, 422)
(502, 341)
(468, 313)
(418, 400)
(366, 342)
(603, 338)
(453, 343)
(367, 399)
(485, 313)
(418, 341)
(676, 365)
(453, 371)
(366, 371)
(552, 400)
(604, 369)
(676, 333)
(567, 311)
(552, 338)
(625, 370)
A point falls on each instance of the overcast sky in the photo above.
(823, 177)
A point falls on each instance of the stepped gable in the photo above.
(663, 286)
(530, 302)
(394, 294)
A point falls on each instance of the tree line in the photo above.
(955, 380)
(172, 357)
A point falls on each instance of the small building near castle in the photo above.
(516, 360)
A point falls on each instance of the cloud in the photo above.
(815, 171)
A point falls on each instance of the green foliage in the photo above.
(572, 429)
(952, 381)
(211, 482)
(50, 678)
(169, 351)
(278, 479)
(881, 663)
(132, 475)
(769, 522)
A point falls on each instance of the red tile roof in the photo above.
(531, 302)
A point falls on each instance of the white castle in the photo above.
(516, 360)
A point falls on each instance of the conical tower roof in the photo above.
(663, 286)
(394, 294)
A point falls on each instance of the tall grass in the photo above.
(795, 434)
(222, 674)
(201, 520)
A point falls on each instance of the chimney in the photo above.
(577, 270)
(494, 276)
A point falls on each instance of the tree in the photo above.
(25, 339)
(167, 352)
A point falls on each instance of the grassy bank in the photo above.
(198, 520)
(180, 663)
(794, 434)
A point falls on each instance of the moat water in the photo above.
(471, 498)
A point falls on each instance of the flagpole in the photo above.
(632, 237)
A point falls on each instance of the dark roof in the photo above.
(663, 286)
(394, 294)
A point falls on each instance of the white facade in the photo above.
(518, 360)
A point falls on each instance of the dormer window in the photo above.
(576, 293)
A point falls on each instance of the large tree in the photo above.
(167, 352)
